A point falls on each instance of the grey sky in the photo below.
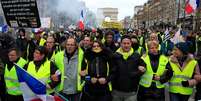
(126, 7)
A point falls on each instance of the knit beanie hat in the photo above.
(183, 46)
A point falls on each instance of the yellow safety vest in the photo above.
(53, 56)
(146, 79)
(11, 79)
(139, 50)
(179, 76)
(141, 40)
(59, 62)
(42, 42)
(43, 74)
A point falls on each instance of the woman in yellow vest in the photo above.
(185, 68)
(43, 69)
(11, 80)
(158, 72)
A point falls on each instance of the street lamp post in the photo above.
(148, 15)
(178, 12)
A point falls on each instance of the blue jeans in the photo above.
(178, 97)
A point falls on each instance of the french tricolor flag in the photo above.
(191, 6)
(33, 89)
(81, 21)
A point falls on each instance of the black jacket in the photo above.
(22, 44)
(31, 46)
(98, 67)
(125, 74)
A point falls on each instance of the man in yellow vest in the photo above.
(37, 40)
(39, 37)
(185, 69)
(51, 47)
(43, 69)
(158, 71)
(136, 45)
(11, 80)
(69, 63)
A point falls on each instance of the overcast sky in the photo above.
(126, 7)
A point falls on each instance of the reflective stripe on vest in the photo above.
(179, 76)
(108, 71)
(59, 61)
(43, 74)
(182, 77)
(11, 79)
(146, 79)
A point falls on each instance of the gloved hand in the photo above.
(185, 83)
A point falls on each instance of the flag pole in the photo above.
(178, 12)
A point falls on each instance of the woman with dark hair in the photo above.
(97, 86)
(158, 72)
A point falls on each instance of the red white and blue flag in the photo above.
(177, 37)
(81, 21)
(191, 6)
(33, 89)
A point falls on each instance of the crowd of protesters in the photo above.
(105, 65)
